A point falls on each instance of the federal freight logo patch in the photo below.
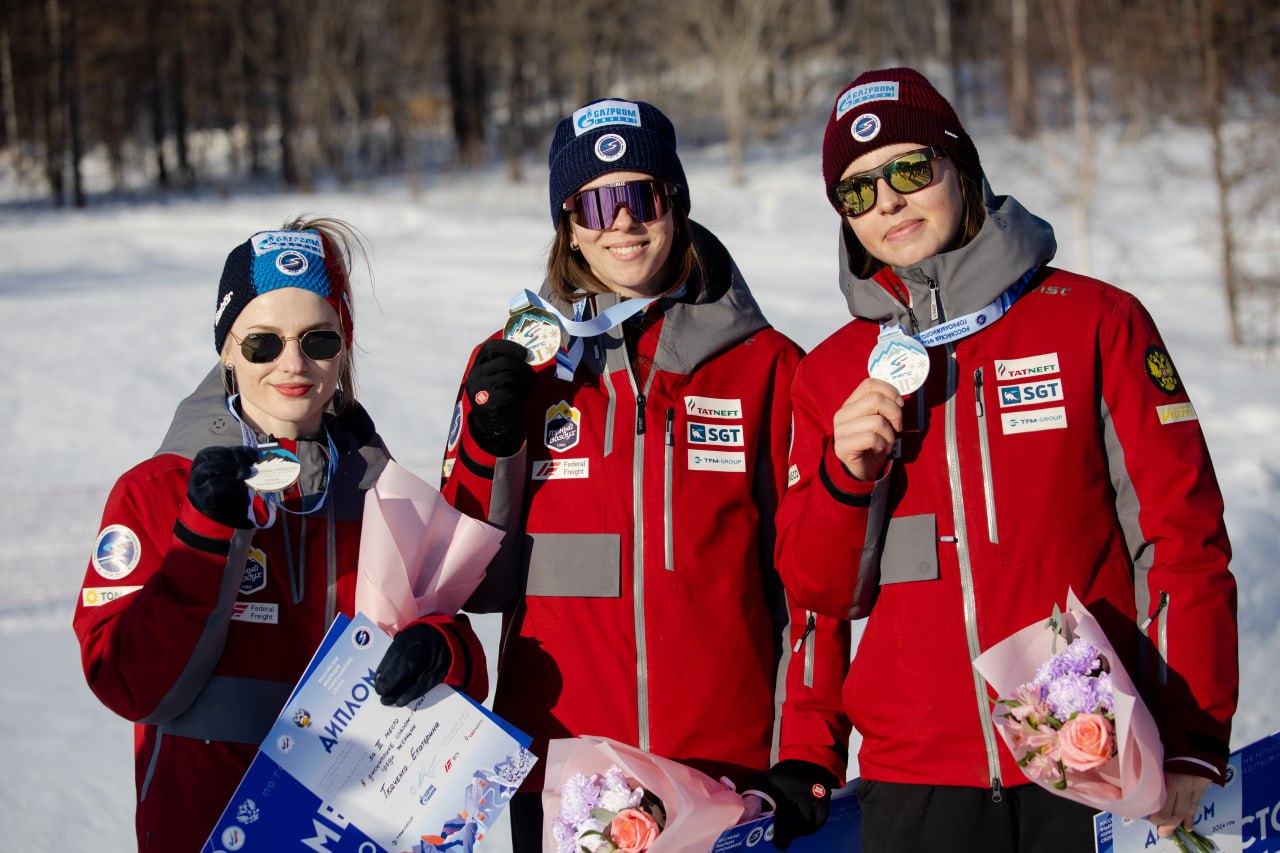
(1161, 372)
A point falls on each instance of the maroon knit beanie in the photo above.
(887, 107)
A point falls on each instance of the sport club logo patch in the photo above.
(292, 263)
(611, 147)
(1161, 372)
(117, 552)
(455, 427)
(562, 427)
(865, 127)
(254, 578)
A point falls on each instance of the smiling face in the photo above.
(629, 258)
(286, 397)
(901, 230)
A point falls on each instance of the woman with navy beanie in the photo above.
(210, 588)
(629, 430)
(989, 433)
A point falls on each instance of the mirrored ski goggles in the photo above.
(597, 208)
(905, 174)
(264, 347)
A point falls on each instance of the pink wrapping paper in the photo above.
(1132, 783)
(698, 807)
(418, 555)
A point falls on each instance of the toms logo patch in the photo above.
(96, 596)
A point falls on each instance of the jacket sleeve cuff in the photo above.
(843, 486)
(824, 757)
(196, 530)
(1192, 766)
(467, 668)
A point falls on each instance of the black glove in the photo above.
(499, 383)
(217, 488)
(802, 791)
(419, 659)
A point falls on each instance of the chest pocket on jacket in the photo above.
(574, 565)
(910, 550)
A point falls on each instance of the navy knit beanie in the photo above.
(612, 135)
(270, 260)
(890, 106)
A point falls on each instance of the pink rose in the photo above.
(633, 831)
(1085, 742)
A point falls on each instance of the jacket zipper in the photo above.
(966, 578)
(668, 519)
(984, 446)
(935, 309)
(807, 642)
(1162, 636)
(637, 568)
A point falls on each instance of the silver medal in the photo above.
(900, 360)
(276, 470)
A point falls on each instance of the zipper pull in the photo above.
(809, 624)
(640, 413)
(997, 790)
(915, 324)
(977, 389)
(1160, 606)
(671, 427)
(934, 307)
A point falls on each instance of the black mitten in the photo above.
(216, 486)
(419, 659)
(498, 385)
(802, 791)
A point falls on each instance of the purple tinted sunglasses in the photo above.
(597, 208)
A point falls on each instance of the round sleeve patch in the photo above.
(117, 552)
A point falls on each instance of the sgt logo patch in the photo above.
(254, 578)
(1161, 372)
(561, 430)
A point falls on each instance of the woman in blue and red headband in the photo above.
(988, 433)
(637, 469)
(204, 600)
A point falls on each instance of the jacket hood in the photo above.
(715, 311)
(1012, 240)
(202, 420)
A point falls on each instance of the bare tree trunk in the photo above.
(284, 94)
(1022, 107)
(10, 101)
(178, 91)
(466, 81)
(1212, 110)
(154, 14)
(55, 142)
(71, 98)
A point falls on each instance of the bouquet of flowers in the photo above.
(1071, 716)
(602, 796)
(603, 813)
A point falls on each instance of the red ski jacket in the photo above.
(198, 632)
(637, 585)
(1053, 448)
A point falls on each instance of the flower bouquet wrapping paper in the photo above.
(1071, 716)
(652, 803)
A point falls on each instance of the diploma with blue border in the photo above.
(340, 771)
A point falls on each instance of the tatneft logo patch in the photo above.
(1031, 392)
(717, 460)
(1176, 413)
(561, 469)
(713, 407)
(604, 113)
(96, 596)
(263, 614)
(1034, 420)
(713, 434)
(867, 92)
(1026, 368)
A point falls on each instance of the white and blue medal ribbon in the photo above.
(567, 358)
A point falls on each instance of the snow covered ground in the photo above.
(106, 325)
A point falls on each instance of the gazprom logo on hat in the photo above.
(290, 262)
(610, 147)
(592, 116)
(865, 127)
(274, 241)
(867, 92)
